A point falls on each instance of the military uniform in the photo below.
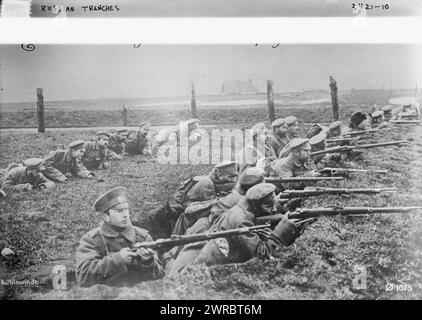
(140, 144)
(60, 162)
(115, 144)
(95, 157)
(237, 248)
(18, 179)
(286, 167)
(276, 143)
(166, 220)
(98, 259)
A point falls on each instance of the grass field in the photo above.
(44, 230)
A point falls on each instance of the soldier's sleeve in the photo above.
(200, 191)
(252, 245)
(154, 268)
(50, 171)
(79, 170)
(9, 184)
(92, 268)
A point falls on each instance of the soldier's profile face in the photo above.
(103, 142)
(119, 215)
(304, 153)
(293, 128)
(267, 206)
(364, 125)
(228, 175)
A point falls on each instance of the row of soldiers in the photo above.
(228, 197)
(81, 158)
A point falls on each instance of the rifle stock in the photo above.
(176, 240)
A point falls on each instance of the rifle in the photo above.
(347, 170)
(340, 140)
(406, 121)
(358, 146)
(310, 192)
(357, 133)
(299, 179)
(178, 240)
(328, 212)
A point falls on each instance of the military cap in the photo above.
(110, 199)
(192, 121)
(278, 122)
(316, 129)
(75, 144)
(357, 118)
(376, 114)
(226, 163)
(33, 163)
(260, 191)
(318, 139)
(335, 125)
(102, 134)
(144, 124)
(297, 142)
(290, 120)
(387, 108)
(252, 176)
(258, 128)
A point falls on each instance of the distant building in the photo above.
(239, 87)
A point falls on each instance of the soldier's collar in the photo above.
(109, 231)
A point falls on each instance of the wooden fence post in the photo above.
(193, 102)
(124, 115)
(334, 98)
(40, 111)
(270, 99)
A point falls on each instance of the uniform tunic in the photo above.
(98, 260)
(276, 143)
(139, 145)
(17, 179)
(94, 156)
(115, 145)
(231, 249)
(60, 162)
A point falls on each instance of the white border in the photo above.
(210, 30)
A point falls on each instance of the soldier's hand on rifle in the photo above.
(263, 234)
(145, 255)
(127, 255)
(91, 176)
(29, 187)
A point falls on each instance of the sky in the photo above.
(68, 72)
(231, 8)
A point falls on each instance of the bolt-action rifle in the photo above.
(332, 171)
(178, 240)
(318, 191)
(328, 212)
(358, 146)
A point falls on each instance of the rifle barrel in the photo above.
(289, 194)
(300, 179)
(317, 212)
(358, 146)
(181, 240)
(357, 133)
(353, 170)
